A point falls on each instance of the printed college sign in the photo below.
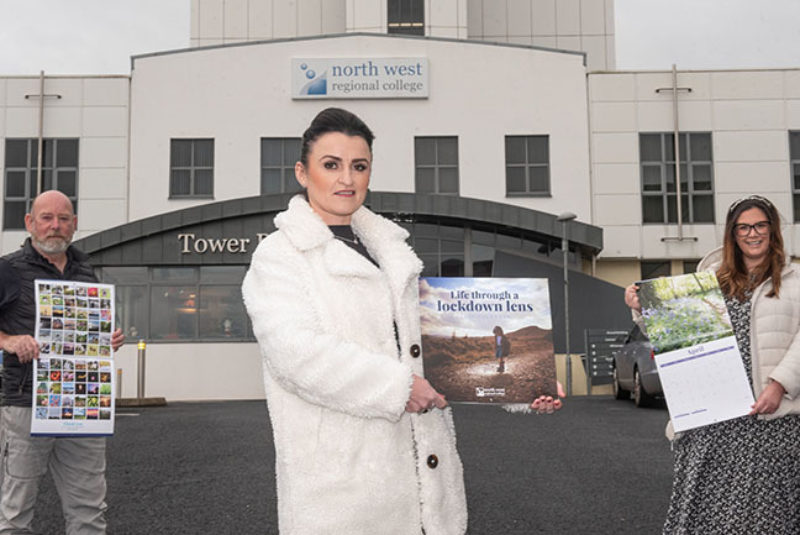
(317, 78)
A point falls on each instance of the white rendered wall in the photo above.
(446, 18)
(443, 18)
(584, 25)
(240, 94)
(749, 115)
(216, 22)
(93, 109)
(190, 372)
(366, 16)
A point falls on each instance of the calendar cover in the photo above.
(73, 377)
(697, 358)
(487, 340)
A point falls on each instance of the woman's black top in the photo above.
(344, 233)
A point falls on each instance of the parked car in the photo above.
(635, 370)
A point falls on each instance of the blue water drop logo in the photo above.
(318, 86)
(310, 74)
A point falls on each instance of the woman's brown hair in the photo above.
(734, 280)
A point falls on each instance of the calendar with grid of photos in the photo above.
(74, 375)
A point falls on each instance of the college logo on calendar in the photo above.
(74, 374)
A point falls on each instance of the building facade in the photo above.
(738, 135)
(492, 118)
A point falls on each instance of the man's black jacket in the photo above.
(18, 270)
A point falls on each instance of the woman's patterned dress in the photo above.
(741, 475)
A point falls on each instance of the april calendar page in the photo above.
(698, 360)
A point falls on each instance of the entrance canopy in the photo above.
(227, 232)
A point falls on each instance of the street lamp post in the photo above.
(565, 218)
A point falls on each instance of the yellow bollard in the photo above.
(142, 346)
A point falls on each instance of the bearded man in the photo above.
(77, 464)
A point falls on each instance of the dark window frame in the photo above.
(51, 171)
(690, 266)
(285, 167)
(437, 165)
(192, 168)
(197, 284)
(691, 195)
(529, 163)
(405, 17)
(652, 269)
(441, 248)
(794, 172)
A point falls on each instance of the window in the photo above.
(441, 249)
(406, 17)
(452, 250)
(278, 156)
(690, 266)
(191, 168)
(794, 155)
(485, 241)
(130, 293)
(655, 269)
(180, 303)
(59, 171)
(527, 166)
(482, 251)
(436, 165)
(657, 156)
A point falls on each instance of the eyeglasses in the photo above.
(757, 198)
(743, 229)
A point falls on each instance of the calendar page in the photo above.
(704, 384)
(74, 374)
(487, 340)
(698, 361)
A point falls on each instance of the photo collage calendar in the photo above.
(74, 376)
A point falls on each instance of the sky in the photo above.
(87, 36)
(707, 34)
(100, 36)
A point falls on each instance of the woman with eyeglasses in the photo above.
(743, 475)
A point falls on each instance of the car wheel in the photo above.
(640, 396)
(619, 392)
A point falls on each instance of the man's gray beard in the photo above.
(55, 245)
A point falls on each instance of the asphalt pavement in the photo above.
(598, 466)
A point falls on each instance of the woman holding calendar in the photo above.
(743, 475)
(363, 443)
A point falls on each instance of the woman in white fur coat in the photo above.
(363, 443)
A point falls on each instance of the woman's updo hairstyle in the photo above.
(334, 120)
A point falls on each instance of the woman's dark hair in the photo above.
(334, 120)
(734, 280)
(498, 331)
